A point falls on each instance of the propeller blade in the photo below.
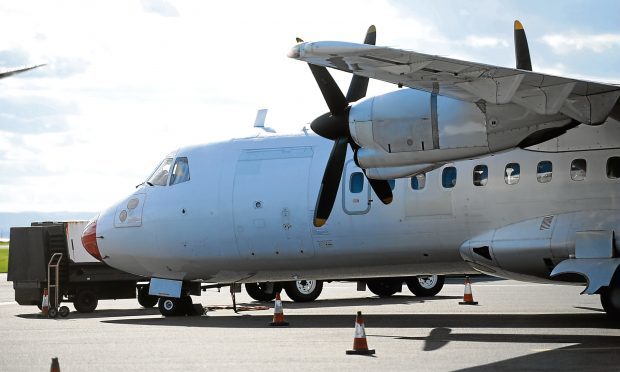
(359, 84)
(522, 51)
(331, 92)
(382, 189)
(330, 182)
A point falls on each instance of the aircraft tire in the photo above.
(85, 301)
(384, 287)
(303, 290)
(169, 306)
(425, 285)
(258, 291)
(145, 299)
(610, 298)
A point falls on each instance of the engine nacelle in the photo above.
(409, 127)
(531, 249)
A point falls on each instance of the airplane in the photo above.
(11, 72)
(478, 168)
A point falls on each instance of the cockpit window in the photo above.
(180, 171)
(160, 176)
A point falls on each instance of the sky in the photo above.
(128, 81)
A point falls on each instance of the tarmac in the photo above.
(516, 326)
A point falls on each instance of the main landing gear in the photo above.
(169, 306)
(610, 298)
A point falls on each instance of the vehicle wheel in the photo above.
(63, 311)
(304, 290)
(425, 285)
(85, 301)
(52, 312)
(171, 306)
(610, 298)
(144, 298)
(186, 305)
(262, 291)
(384, 287)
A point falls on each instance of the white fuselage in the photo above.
(245, 215)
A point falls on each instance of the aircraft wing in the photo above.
(5, 74)
(585, 101)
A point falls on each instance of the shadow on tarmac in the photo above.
(588, 352)
(501, 321)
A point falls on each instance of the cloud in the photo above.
(14, 58)
(485, 42)
(34, 115)
(62, 67)
(563, 44)
(161, 7)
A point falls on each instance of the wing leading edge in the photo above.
(585, 101)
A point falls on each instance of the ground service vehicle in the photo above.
(82, 279)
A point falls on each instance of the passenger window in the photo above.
(481, 175)
(544, 171)
(613, 167)
(180, 171)
(418, 181)
(160, 176)
(392, 184)
(512, 173)
(578, 169)
(356, 183)
(448, 177)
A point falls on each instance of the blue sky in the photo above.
(128, 81)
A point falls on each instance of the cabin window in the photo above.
(613, 167)
(160, 176)
(448, 177)
(418, 181)
(180, 171)
(512, 173)
(392, 184)
(356, 183)
(544, 171)
(481, 175)
(578, 169)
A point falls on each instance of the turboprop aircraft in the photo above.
(478, 168)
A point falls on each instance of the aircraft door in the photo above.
(270, 203)
(355, 190)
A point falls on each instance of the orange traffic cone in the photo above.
(45, 302)
(278, 313)
(468, 297)
(360, 346)
(55, 366)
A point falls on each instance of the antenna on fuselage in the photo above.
(260, 121)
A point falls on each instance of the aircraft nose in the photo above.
(89, 238)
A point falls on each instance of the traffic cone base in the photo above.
(361, 352)
(278, 313)
(468, 303)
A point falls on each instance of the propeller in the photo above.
(334, 125)
(522, 51)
